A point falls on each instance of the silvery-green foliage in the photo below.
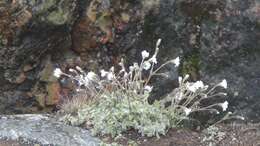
(119, 99)
(213, 134)
(110, 116)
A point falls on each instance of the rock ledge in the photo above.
(43, 130)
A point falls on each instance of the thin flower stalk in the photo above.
(121, 98)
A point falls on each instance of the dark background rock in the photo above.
(230, 48)
(30, 30)
(215, 39)
(219, 39)
(36, 28)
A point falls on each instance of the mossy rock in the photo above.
(55, 12)
(59, 16)
(191, 66)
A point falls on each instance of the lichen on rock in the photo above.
(43, 130)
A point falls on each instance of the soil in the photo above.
(226, 135)
(9, 143)
(4, 142)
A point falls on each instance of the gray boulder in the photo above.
(42, 130)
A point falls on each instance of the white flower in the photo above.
(131, 68)
(224, 105)
(145, 54)
(223, 84)
(71, 70)
(242, 118)
(122, 71)
(224, 94)
(148, 88)
(146, 65)
(121, 63)
(112, 69)
(79, 69)
(103, 73)
(180, 80)
(158, 43)
(153, 59)
(91, 76)
(179, 96)
(125, 75)
(187, 111)
(136, 66)
(176, 61)
(193, 87)
(81, 76)
(57, 72)
(110, 76)
(205, 87)
(199, 84)
(186, 77)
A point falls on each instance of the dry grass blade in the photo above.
(72, 105)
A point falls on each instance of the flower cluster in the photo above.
(189, 95)
(121, 97)
(89, 81)
(130, 79)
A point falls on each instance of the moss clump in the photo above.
(258, 24)
(3, 40)
(54, 11)
(191, 66)
(58, 17)
(45, 6)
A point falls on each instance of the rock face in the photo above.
(230, 48)
(216, 39)
(43, 130)
(29, 31)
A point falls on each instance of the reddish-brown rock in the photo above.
(84, 36)
(53, 96)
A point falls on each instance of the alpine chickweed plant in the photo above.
(118, 101)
